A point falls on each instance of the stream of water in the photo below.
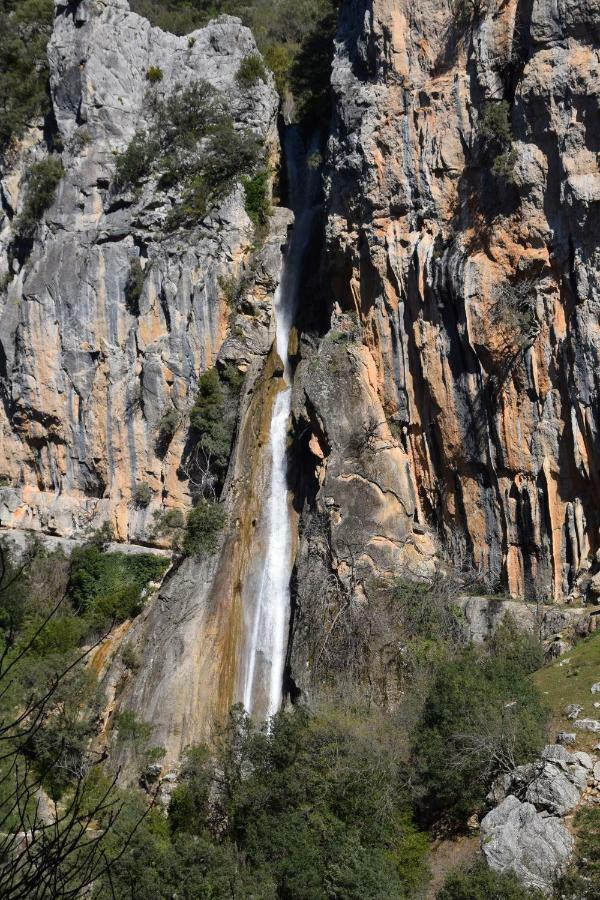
(268, 630)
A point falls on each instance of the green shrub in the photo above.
(134, 287)
(582, 880)
(143, 494)
(25, 28)
(107, 587)
(482, 717)
(212, 417)
(494, 123)
(42, 180)
(169, 422)
(251, 70)
(170, 523)
(130, 728)
(229, 288)
(135, 163)
(481, 883)
(204, 524)
(177, 16)
(154, 74)
(195, 149)
(131, 658)
(257, 205)
(81, 139)
(496, 139)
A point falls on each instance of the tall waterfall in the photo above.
(266, 641)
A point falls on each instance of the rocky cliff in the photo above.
(461, 240)
(87, 376)
(445, 397)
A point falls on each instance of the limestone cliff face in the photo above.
(86, 380)
(494, 412)
(446, 356)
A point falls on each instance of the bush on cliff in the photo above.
(204, 524)
(212, 419)
(496, 138)
(251, 71)
(107, 587)
(295, 38)
(258, 206)
(42, 180)
(25, 28)
(481, 883)
(194, 148)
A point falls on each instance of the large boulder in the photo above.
(516, 838)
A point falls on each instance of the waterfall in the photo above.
(266, 640)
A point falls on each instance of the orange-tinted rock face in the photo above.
(477, 291)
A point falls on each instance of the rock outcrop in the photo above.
(525, 833)
(516, 838)
(86, 379)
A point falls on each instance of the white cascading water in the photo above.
(266, 642)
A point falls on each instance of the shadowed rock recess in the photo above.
(443, 361)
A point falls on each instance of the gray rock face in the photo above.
(535, 847)
(85, 379)
(524, 834)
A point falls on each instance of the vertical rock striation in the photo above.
(474, 279)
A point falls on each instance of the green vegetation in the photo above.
(134, 287)
(312, 809)
(195, 536)
(42, 180)
(251, 70)
(496, 139)
(134, 164)
(480, 883)
(258, 205)
(194, 148)
(581, 882)
(295, 37)
(105, 587)
(143, 494)
(25, 27)
(212, 419)
(482, 717)
(154, 74)
(130, 728)
(569, 680)
(204, 524)
(131, 658)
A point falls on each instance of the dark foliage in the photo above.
(42, 180)
(310, 809)
(481, 883)
(482, 717)
(25, 27)
(194, 148)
